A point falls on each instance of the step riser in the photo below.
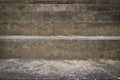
(60, 16)
(60, 49)
(56, 7)
(60, 28)
(61, 2)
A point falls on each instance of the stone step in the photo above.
(61, 28)
(60, 1)
(39, 69)
(57, 7)
(60, 16)
(60, 48)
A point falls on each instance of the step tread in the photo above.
(60, 49)
(58, 69)
(57, 7)
(60, 16)
(60, 28)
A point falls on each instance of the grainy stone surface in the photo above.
(60, 49)
(58, 7)
(60, 16)
(29, 17)
(57, 17)
(43, 7)
(60, 1)
(59, 69)
(60, 28)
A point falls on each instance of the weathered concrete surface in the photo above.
(60, 49)
(43, 7)
(58, 7)
(26, 18)
(59, 69)
(61, 28)
(60, 1)
(60, 16)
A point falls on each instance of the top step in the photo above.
(60, 1)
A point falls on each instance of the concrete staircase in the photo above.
(60, 30)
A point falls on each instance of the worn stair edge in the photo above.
(57, 7)
(60, 49)
(60, 28)
(59, 37)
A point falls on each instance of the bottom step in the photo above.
(38, 69)
(60, 49)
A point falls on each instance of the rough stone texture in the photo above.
(60, 49)
(43, 7)
(60, 1)
(60, 16)
(57, 17)
(61, 28)
(29, 69)
(58, 7)
(29, 17)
